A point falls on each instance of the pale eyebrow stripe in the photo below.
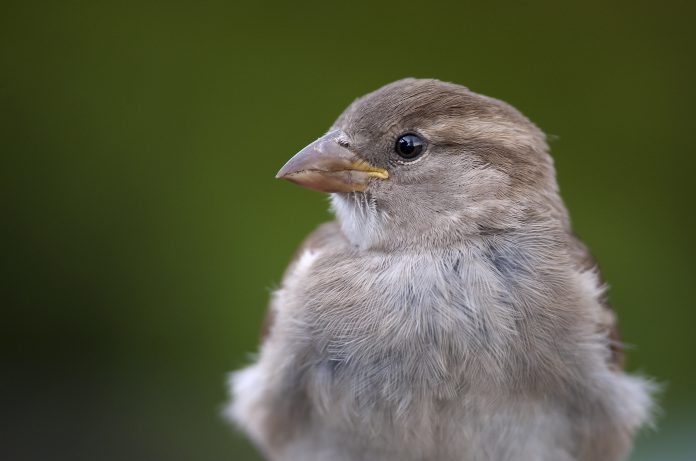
(498, 130)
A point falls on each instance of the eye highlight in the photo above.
(409, 146)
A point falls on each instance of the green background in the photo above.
(143, 229)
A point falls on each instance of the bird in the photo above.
(449, 312)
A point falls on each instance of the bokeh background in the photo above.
(143, 229)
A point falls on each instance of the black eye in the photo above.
(409, 146)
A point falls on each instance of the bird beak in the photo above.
(327, 166)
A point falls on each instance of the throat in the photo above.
(360, 219)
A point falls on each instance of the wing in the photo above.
(322, 236)
(608, 322)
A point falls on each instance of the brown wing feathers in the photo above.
(317, 239)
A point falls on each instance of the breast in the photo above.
(391, 329)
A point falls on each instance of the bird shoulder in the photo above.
(321, 237)
(608, 323)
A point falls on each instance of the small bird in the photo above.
(449, 312)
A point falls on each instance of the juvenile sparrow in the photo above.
(448, 313)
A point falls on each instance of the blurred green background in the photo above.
(143, 229)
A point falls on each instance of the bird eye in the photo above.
(409, 146)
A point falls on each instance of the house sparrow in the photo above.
(449, 313)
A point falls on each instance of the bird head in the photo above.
(424, 162)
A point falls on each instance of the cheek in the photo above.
(440, 186)
(457, 174)
(485, 183)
